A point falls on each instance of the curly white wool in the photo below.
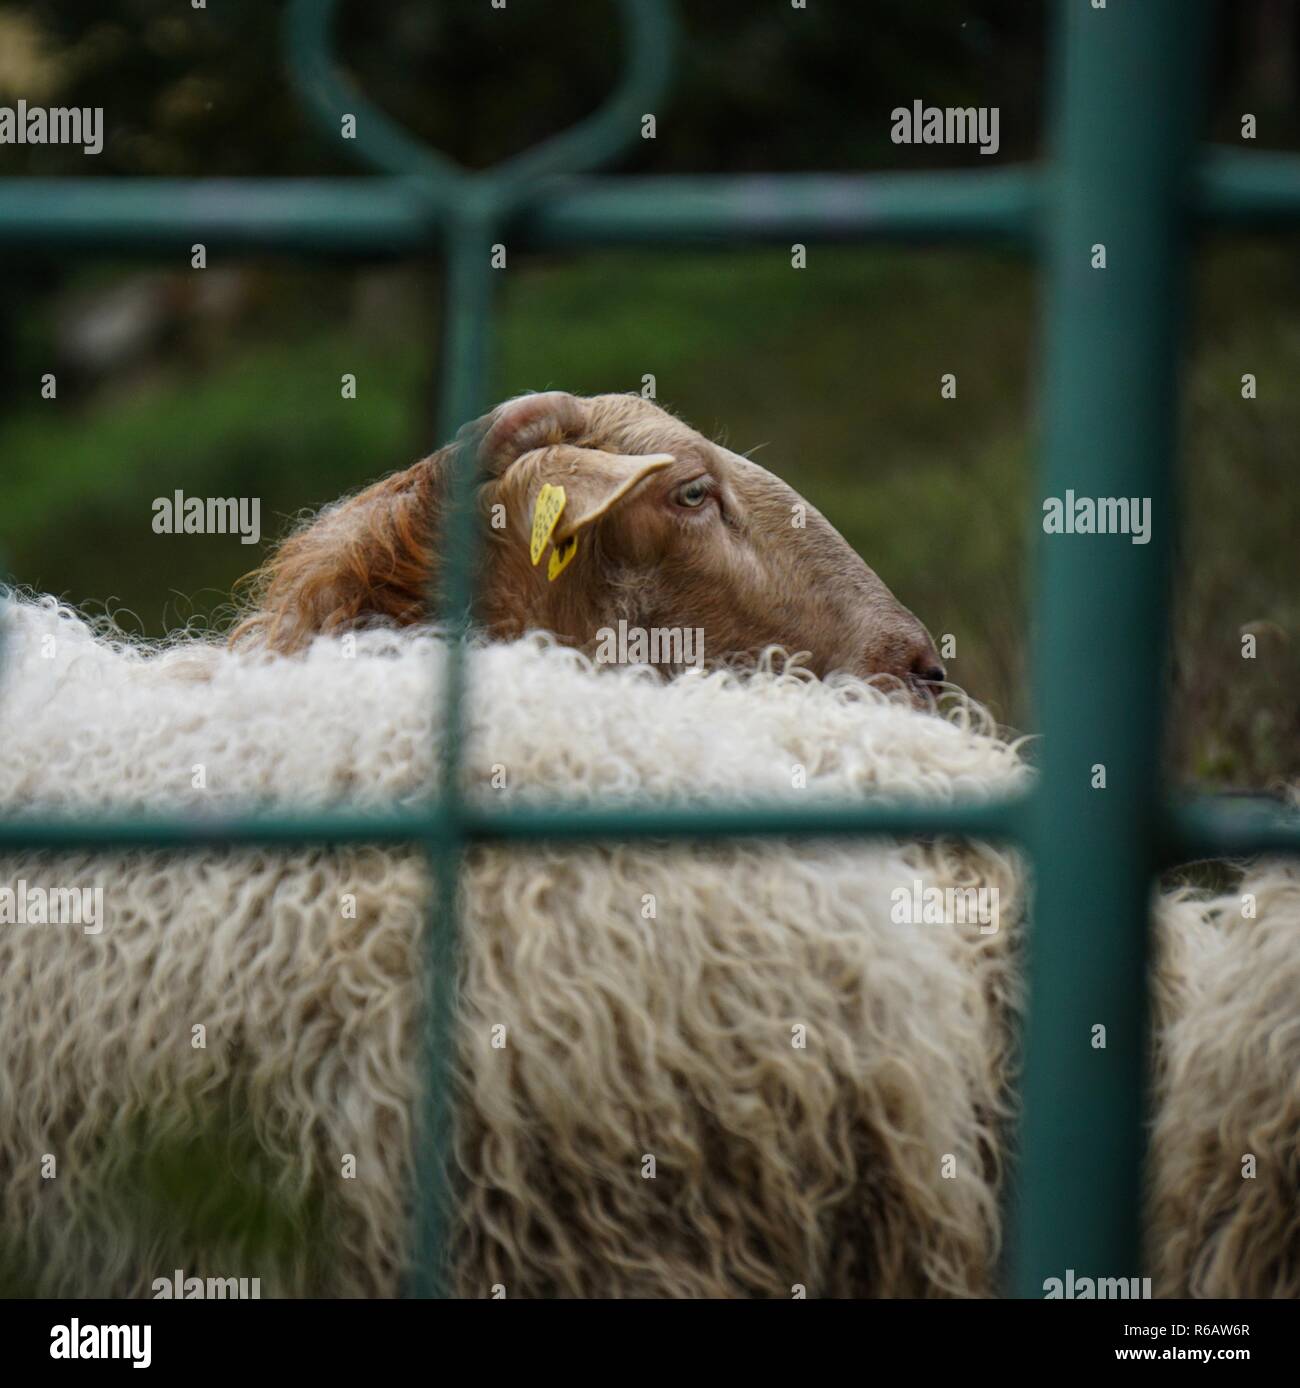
(825, 1093)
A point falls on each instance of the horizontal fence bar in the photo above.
(960, 206)
(1202, 828)
(387, 215)
(994, 819)
(112, 833)
(1249, 188)
(382, 215)
(1215, 828)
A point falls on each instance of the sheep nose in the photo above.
(908, 657)
(926, 667)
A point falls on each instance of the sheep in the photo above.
(1224, 1197)
(626, 1037)
(648, 525)
(721, 1069)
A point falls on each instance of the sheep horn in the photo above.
(523, 424)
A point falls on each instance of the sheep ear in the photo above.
(555, 493)
(523, 425)
(595, 483)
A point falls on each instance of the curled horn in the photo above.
(525, 423)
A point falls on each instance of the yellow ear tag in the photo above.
(546, 512)
(560, 557)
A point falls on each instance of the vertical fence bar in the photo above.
(467, 317)
(1121, 176)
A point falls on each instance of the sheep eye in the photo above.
(693, 493)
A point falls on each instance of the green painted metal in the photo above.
(992, 820)
(1205, 828)
(1128, 78)
(1125, 173)
(381, 144)
(1196, 829)
(1255, 190)
(388, 215)
(465, 362)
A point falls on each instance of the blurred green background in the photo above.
(225, 382)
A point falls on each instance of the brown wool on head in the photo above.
(659, 528)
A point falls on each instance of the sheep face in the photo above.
(604, 514)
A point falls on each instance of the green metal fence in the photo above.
(1127, 173)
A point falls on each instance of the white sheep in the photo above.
(719, 1068)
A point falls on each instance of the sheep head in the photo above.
(597, 511)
